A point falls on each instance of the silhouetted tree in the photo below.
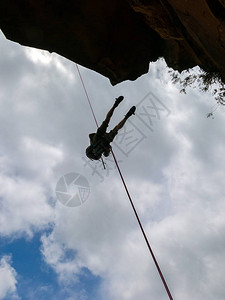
(205, 81)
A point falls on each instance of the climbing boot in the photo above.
(130, 112)
(118, 100)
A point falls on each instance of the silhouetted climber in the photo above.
(100, 141)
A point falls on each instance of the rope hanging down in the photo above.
(131, 202)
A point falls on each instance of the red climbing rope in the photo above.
(87, 95)
(142, 230)
(131, 202)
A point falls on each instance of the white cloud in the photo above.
(40, 158)
(178, 192)
(24, 207)
(27, 182)
(8, 279)
(55, 256)
(175, 177)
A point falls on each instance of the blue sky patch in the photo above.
(37, 280)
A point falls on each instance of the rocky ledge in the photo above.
(120, 38)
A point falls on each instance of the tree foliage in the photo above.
(205, 81)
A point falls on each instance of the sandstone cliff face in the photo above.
(119, 38)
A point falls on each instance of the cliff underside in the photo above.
(120, 38)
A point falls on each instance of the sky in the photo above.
(67, 230)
